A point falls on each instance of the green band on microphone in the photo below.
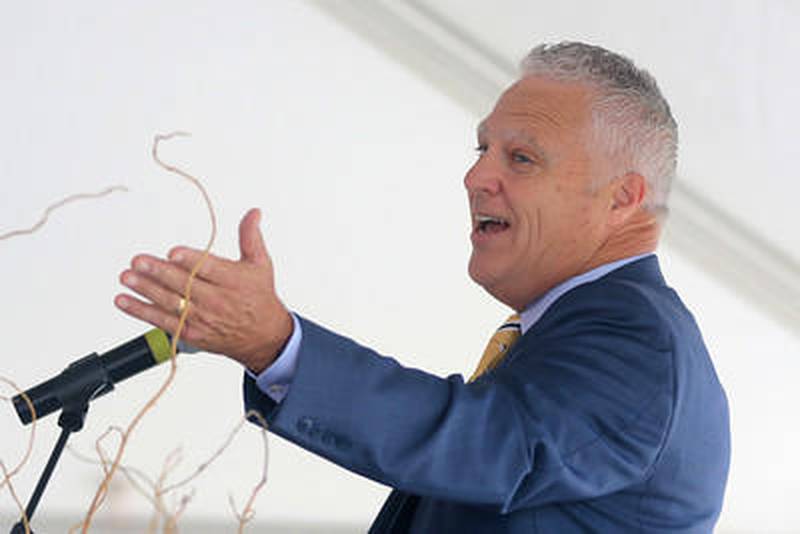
(159, 344)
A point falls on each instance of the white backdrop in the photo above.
(357, 166)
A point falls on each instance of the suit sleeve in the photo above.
(579, 409)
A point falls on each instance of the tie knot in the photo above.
(512, 323)
(502, 340)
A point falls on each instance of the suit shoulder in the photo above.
(615, 306)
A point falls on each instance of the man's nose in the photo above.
(483, 177)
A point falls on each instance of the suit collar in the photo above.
(536, 309)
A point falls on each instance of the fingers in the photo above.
(157, 316)
(168, 298)
(163, 286)
(251, 241)
(216, 270)
(168, 274)
(147, 312)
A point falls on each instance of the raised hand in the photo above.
(234, 309)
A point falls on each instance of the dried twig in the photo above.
(72, 198)
(25, 523)
(26, 456)
(9, 474)
(103, 487)
(137, 478)
(249, 512)
(158, 490)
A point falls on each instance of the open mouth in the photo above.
(488, 224)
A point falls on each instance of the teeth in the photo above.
(482, 222)
(487, 218)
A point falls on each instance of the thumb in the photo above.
(251, 242)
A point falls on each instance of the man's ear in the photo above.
(628, 192)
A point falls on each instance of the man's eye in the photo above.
(519, 157)
(480, 150)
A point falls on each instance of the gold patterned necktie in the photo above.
(502, 340)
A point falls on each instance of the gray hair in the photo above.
(631, 119)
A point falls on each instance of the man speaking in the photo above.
(595, 406)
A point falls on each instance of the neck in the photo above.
(639, 235)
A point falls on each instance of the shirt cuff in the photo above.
(274, 381)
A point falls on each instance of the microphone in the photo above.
(92, 376)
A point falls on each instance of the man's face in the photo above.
(536, 218)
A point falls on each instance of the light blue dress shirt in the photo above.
(275, 380)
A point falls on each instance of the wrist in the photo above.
(266, 355)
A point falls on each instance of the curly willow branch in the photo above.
(157, 490)
(125, 436)
(136, 477)
(8, 475)
(248, 512)
(25, 523)
(138, 480)
(59, 204)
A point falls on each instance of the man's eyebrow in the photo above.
(515, 135)
(524, 138)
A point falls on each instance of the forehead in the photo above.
(539, 108)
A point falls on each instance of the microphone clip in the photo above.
(82, 381)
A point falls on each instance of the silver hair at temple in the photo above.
(631, 118)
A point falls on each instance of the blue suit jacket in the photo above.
(606, 416)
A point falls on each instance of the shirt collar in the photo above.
(534, 311)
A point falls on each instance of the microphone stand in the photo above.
(84, 380)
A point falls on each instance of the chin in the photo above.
(490, 277)
(482, 274)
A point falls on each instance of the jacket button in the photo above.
(305, 425)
